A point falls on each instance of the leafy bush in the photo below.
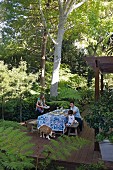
(28, 109)
(15, 147)
(60, 146)
(69, 93)
(100, 116)
(95, 166)
(111, 137)
(87, 95)
(65, 95)
(6, 124)
(16, 84)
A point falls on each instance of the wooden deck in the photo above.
(85, 155)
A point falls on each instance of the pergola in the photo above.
(101, 65)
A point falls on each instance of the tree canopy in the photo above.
(86, 25)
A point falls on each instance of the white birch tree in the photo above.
(65, 7)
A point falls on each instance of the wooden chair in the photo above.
(72, 130)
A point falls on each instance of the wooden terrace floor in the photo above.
(85, 155)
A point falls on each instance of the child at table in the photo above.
(71, 118)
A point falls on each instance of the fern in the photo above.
(55, 144)
(71, 93)
(53, 157)
(60, 149)
(15, 148)
(7, 124)
(63, 147)
(66, 151)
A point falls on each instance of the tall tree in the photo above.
(22, 32)
(56, 17)
(26, 27)
(65, 9)
(23, 19)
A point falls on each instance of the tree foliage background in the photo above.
(87, 32)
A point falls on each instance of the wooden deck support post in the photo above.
(102, 85)
(96, 81)
(96, 144)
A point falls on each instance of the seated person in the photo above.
(71, 118)
(76, 113)
(40, 104)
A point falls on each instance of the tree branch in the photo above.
(60, 2)
(67, 5)
(75, 6)
(44, 22)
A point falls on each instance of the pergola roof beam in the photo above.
(105, 64)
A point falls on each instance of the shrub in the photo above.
(94, 166)
(15, 147)
(100, 116)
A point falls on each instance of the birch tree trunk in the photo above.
(65, 8)
(57, 60)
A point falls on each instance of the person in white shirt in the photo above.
(71, 118)
(76, 113)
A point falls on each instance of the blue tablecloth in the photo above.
(55, 120)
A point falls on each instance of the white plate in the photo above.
(46, 107)
(56, 114)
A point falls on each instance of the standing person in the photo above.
(40, 104)
(76, 113)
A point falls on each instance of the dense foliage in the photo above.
(15, 84)
(100, 116)
(20, 90)
(87, 31)
(94, 166)
(15, 147)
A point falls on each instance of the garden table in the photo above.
(56, 120)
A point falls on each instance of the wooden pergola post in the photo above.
(96, 144)
(96, 81)
(102, 85)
